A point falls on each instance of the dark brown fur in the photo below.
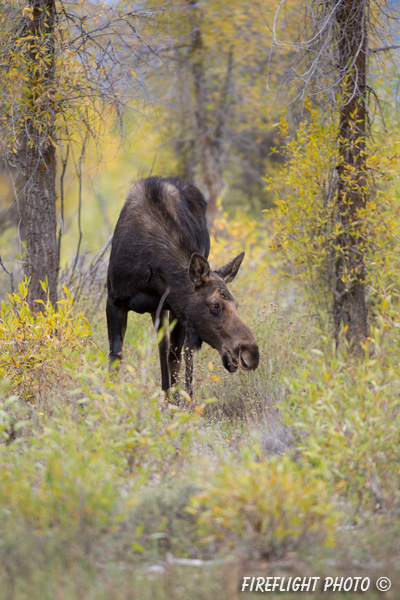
(158, 263)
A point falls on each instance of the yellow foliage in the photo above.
(308, 231)
(35, 347)
(273, 504)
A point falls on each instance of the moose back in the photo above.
(158, 265)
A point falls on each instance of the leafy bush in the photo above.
(308, 227)
(35, 347)
(60, 481)
(78, 475)
(347, 414)
(271, 506)
(159, 523)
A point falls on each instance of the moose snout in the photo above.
(249, 357)
(246, 357)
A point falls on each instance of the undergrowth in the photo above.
(98, 475)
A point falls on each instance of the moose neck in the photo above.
(175, 278)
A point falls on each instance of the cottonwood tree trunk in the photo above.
(40, 214)
(210, 140)
(185, 146)
(40, 192)
(350, 309)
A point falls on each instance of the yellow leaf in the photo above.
(185, 396)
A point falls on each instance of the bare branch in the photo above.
(61, 231)
(9, 273)
(383, 48)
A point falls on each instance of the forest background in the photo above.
(106, 490)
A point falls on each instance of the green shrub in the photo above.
(269, 506)
(60, 481)
(159, 523)
(76, 473)
(35, 347)
(347, 414)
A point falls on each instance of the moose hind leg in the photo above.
(163, 348)
(117, 318)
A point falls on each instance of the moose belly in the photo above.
(145, 302)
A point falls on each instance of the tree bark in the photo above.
(40, 213)
(210, 142)
(210, 163)
(40, 191)
(350, 309)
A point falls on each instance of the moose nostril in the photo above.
(249, 358)
(244, 363)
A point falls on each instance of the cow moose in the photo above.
(158, 265)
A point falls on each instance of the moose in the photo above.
(158, 265)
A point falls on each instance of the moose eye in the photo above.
(215, 308)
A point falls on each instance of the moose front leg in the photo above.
(177, 337)
(192, 343)
(163, 348)
(189, 362)
(117, 318)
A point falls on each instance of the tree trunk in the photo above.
(210, 142)
(210, 163)
(40, 214)
(40, 192)
(350, 309)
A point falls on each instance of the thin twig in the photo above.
(383, 48)
(91, 271)
(152, 166)
(64, 167)
(79, 172)
(159, 309)
(10, 273)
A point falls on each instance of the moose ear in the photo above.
(229, 271)
(199, 269)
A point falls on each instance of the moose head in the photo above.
(212, 312)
